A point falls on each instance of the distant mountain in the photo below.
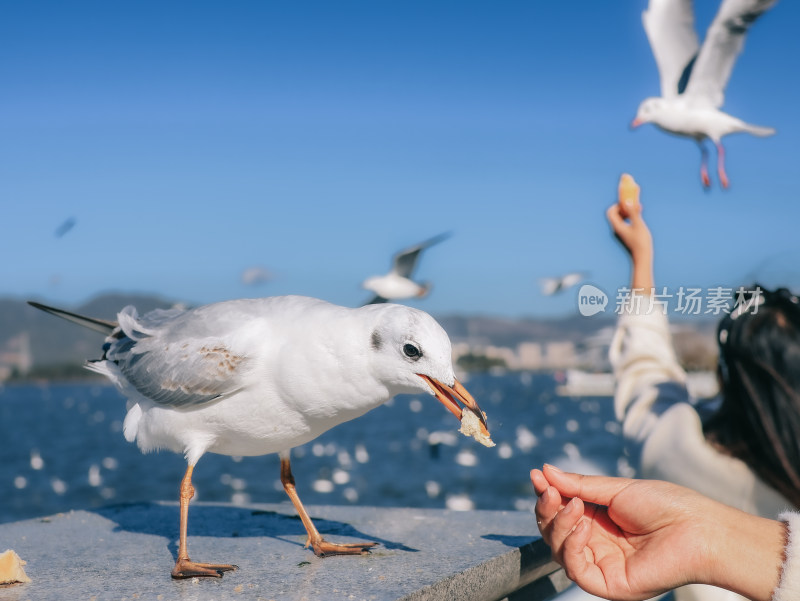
(484, 330)
(55, 342)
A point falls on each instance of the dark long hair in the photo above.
(759, 418)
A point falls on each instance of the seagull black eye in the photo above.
(411, 351)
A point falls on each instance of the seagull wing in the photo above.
(98, 325)
(669, 25)
(723, 43)
(572, 279)
(550, 285)
(406, 260)
(177, 371)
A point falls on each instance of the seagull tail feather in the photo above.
(98, 325)
(760, 131)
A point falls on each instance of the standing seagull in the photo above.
(397, 284)
(693, 78)
(257, 376)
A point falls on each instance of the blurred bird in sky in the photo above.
(555, 285)
(253, 276)
(65, 226)
(397, 284)
(256, 376)
(693, 77)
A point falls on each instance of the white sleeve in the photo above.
(789, 585)
(648, 377)
(663, 431)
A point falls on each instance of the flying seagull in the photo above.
(257, 376)
(397, 284)
(554, 285)
(65, 227)
(253, 276)
(693, 77)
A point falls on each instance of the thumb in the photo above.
(599, 490)
(615, 218)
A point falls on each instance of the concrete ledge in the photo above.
(127, 552)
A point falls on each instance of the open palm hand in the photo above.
(632, 539)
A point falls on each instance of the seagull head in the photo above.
(424, 289)
(649, 111)
(412, 354)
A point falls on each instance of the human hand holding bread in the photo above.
(625, 217)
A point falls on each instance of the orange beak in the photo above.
(636, 123)
(450, 397)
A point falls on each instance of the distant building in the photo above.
(527, 355)
(593, 355)
(503, 353)
(530, 356)
(560, 355)
(460, 349)
(15, 356)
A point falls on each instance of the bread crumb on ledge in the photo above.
(471, 426)
(11, 568)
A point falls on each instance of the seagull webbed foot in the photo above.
(186, 568)
(323, 548)
(704, 178)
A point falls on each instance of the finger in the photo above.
(619, 226)
(576, 564)
(634, 211)
(573, 551)
(547, 507)
(563, 524)
(614, 216)
(599, 490)
(539, 482)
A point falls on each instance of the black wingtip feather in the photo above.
(98, 325)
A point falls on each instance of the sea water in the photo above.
(62, 448)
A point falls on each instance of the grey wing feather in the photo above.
(550, 285)
(171, 367)
(406, 260)
(669, 25)
(178, 374)
(186, 375)
(723, 43)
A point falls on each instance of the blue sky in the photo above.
(192, 140)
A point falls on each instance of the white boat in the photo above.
(701, 384)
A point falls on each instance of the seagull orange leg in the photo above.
(185, 567)
(704, 177)
(723, 177)
(322, 548)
